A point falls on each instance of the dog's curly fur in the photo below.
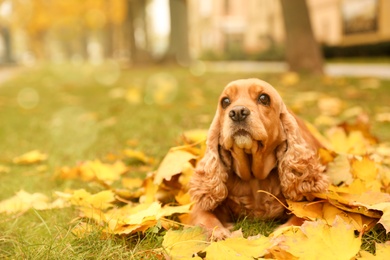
(265, 148)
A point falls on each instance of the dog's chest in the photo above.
(253, 198)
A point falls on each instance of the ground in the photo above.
(76, 113)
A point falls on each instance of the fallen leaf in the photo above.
(290, 78)
(180, 244)
(330, 106)
(82, 198)
(31, 157)
(95, 170)
(138, 156)
(4, 169)
(352, 143)
(339, 170)
(238, 248)
(172, 164)
(317, 240)
(365, 169)
(24, 201)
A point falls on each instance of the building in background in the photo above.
(254, 28)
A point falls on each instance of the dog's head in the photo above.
(253, 133)
(250, 126)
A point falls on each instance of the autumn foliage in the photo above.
(357, 200)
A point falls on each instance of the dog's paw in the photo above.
(219, 233)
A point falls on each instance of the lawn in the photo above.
(76, 113)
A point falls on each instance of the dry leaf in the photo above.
(339, 170)
(317, 240)
(172, 164)
(330, 106)
(184, 243)
(4, 169)
(95, 170)
(24, 201)
(31, 157)
(138, 156)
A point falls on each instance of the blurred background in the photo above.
(133, 32)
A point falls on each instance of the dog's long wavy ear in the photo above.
(300, 170)
(207, 185)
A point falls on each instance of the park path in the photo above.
(377, 70)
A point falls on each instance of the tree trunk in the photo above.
(7, 57)
(135, 9)
(303, 53)
(178, 49)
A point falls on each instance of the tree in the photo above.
(178, 49)
(303, 53)
(136, 19)
(7, 56)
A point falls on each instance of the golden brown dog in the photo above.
(254, 143)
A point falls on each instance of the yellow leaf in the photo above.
(353, 143)
(95, 170)
(134, 95)
(132, 183)
(138, 155)
(150, 191)
(385, 218)
(24, 201)
(149, 213)
(185, 243)
(306, 210)
(172, 164)
(290, 78)
(365, 169)
(326, 156)
(382, 250)
(4, 169)
(170, 210)
(330, 106)
(317, 240)
(238, 248)
(102, 200)
(183, 197)
(195, 136)
(339, 170)
(31, 157)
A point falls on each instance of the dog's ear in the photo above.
(300, 170)
(207, 185)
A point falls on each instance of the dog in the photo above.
(254, 144)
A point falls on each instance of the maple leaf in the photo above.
(339, 170)
(238, 248)
(195, 136)
(317, 240)
(180, 244)
(141, 217)
(173, 163)
(31, 157)
(365, 169)
(330, 106)
(95, 170)
(352, 143)
(23, 201)
(138, 156)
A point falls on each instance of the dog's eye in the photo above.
(225, 102)
(264, 99)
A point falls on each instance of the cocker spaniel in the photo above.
(254, 144)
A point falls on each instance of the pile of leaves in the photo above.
(358, 199)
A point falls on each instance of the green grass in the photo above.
(79, 116)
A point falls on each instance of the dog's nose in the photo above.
(239, 113)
